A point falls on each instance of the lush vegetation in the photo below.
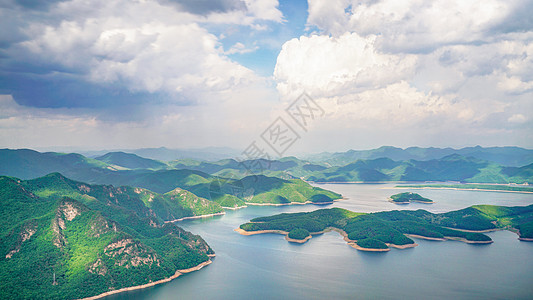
(506, 156)
(490, 187)
(450, 168)
(370, 243)
(409, 197)
(391, 227)
(264, 189)
(298, 234)
(91, 238)
(130, 161)
(384, 164)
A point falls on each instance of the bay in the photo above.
(268, 267)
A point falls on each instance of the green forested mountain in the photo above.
(264, 189)
(287, 167)
(506, 156)
(450, 168)
(201, 184)
(145, 203)
(222, 181)
(90, 238)
(381, 229)
(27, 164)
(130, 161)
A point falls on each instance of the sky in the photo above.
(330, 75)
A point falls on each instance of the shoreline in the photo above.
(328, 229)
(406, 246)
(448, 238)
(197, 217)
(453, 238)
(244, 232)
(234, 208)
(410, 201)
(525, 239)
(293, 203)
(150, 284)
(354, 245)
(475, 231)
(459, 189)
(288, 239)
(425, 237)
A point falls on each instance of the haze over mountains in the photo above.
(475, 164)
(166, 154)
(73, 215)
(507, 156)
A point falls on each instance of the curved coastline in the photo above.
(293, 203)
(150, 284)
(234, 208)
(288, 239)
(525, 239)
(449, 238)
(410, 201)
(197, 217)
(354, 245)
(340, 231)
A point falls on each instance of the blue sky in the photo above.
(186, 74)
(269, 41)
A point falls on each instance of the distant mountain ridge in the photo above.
(449, 168)
(196, 176)
(506, 156)
(130, 161)
(167, 154)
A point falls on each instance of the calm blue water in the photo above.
(267, 267)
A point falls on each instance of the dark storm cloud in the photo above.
(69, 91)
(35, 4)
(205, 7)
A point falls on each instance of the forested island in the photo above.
(382, 230)
(408, 197)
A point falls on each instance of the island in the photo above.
(380, 231)
(408, 197)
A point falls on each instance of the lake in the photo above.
(268, 267)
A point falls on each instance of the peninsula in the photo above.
(382, 230)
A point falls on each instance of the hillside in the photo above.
(27, 164)
(262, 189)
(450, 168)
(381, 230)
(130, 161)
(287, 167)
(506, 156)
(88, 239)
(187, 176)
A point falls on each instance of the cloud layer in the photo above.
(438, 67)
(163, 72)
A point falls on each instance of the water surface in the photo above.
(268, 267)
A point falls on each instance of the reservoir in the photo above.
(266, 266)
